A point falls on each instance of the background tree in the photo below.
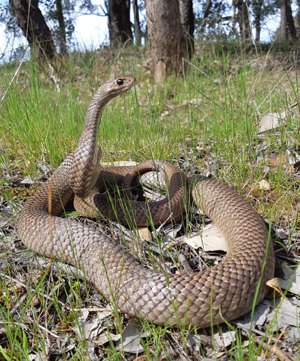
(166, 37)
(61, 14)
(137, 25)
(34, 27)
(187, 20)
(61, 27)
(243, 18)
(168, 30)
(209, 20)
(257, 12)
(287, 26)
(119, 24)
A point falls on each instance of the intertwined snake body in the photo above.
(224, 291)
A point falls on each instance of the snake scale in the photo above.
(222, 292)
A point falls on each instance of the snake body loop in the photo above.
(224, 291)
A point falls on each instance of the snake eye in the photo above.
(120, 81)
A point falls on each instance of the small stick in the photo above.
(185, 264)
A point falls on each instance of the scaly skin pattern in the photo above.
(224, 291)
(127, 211)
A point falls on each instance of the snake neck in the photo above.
(85, 169)
(86, 166)
(92, 122)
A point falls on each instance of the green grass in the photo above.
(152, 121)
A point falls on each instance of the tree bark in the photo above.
(166, 37)
(137, 25)
(290, 20)
(187, 20)
(34, 27)
(243, 20)
(287, 25)
(283, 21)
(119, 22)
(61, 27)
(257, 6)
(233, 14)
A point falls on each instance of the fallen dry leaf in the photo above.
(291, 279)
(195, 341)
(145, 233)
(210, 240)
(286, 313)
(270, 121)
(259, 316)
(274, 289)
(105, 337)
(224, 340)
(263, 184)
(131, 338)
(172, 231)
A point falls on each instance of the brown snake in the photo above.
(224, 291)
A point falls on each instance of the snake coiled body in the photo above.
(224, 291)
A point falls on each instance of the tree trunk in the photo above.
(257, 6)
(290, 20)
(287, 25)
(119, 22)
(243, 20)
(283, 35)
(61, 27)
(166, 37)
(187, 20)
(35, 30)
(137, 26)
(233, 15)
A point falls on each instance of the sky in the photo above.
(91, 31)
